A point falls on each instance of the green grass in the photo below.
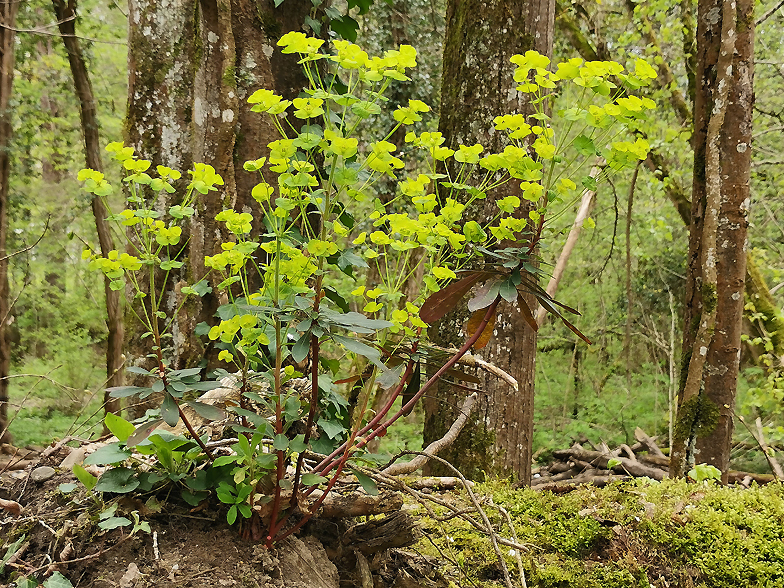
(56, 401)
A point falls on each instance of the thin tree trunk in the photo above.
(481, 37)
(586, 206)
(191, 68)
(8, 12)
(66, 17)
(717, 256)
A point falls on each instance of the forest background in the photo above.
(627, 275)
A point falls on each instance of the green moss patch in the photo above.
(635, 534)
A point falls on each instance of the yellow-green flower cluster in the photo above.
(246, 326)
(113, 266)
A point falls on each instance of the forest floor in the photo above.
(636, 533)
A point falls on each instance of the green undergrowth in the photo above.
(640, 534)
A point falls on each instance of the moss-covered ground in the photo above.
(640, 534)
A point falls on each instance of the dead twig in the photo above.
(436, 446)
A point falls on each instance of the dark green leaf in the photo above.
(335, 297)
(119, 480)
(346, 28)
(169, 411)
(125, 391)
(363, 5)
(207, 411)
(331, 428)
(359, 348)
(300, 349)
(108, 455)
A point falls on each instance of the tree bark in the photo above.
(66, 18)
(190, 72)
(481, 37)
(717, 243)
(8, 12)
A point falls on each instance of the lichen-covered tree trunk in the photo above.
(192, 65)
(717, 245)
(66, 18)
(8, 12)
(481, 37)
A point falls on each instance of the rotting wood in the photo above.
(337, 506)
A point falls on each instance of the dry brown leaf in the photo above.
(473, 324)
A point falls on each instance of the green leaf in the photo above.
(169, 410)
(142, 432)
(359, 348)
(119, 480)
(231, 516)
(331, 428)
(508, 291)
(363, 5)
(312, 479)
(125, 391)
(57, 580)
(281, 442)
(67, 488)
(346, 27)
(297, 444)
(226, 459)
(114, 523)
(300, 349)
(590, 183)
(207, 411)
(611, 463)
(12, 549)
(118, 426)
(85, 477)
(368, 485)
(584, 145)
(108, 455)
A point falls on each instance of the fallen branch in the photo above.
(436, 446)
(625, 465)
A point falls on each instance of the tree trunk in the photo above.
(191, 70)
(8, 12)
(717, 244)
(481, 37)
(66, 15)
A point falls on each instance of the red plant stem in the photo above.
(314, 369)
(162, 374)
(381, 414)
(410, 404)
(280, 470)
(316, 505)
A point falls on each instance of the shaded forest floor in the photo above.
(636, 533)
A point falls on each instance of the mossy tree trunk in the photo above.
(66, 18)
(191, 69)
(8, 12)
(717, 245)
(481, 37)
